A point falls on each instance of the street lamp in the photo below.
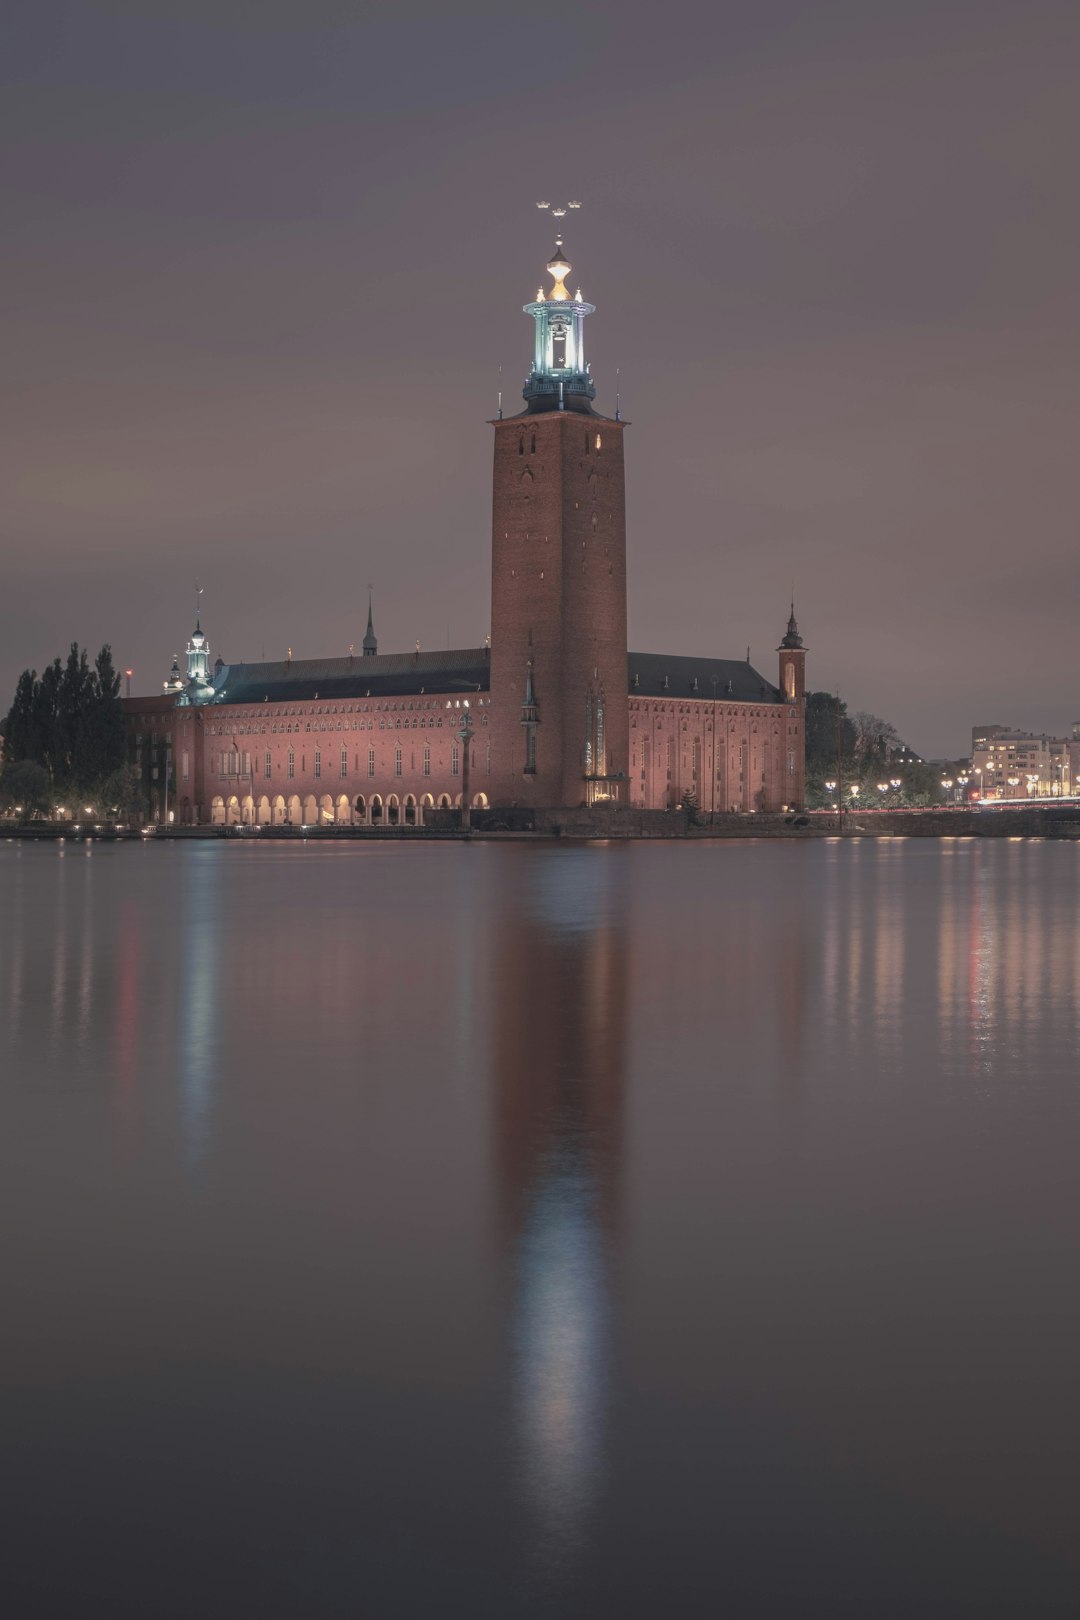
(466, 734)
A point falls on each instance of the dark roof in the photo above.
(385, 675)
(735, 680)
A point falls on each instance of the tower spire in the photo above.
(371, 645)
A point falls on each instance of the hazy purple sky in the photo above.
(263, 261)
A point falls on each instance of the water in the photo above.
(620, 1230)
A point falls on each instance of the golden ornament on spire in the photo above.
(559, 267)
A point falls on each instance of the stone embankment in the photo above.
(1053, 821)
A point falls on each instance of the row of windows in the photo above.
(239, 764)
(597, 442)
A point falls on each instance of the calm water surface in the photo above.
(620, 1230)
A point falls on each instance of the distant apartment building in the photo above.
(1010, 764)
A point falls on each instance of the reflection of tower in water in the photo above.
(560, 1035)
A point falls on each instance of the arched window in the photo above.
(455, 760)
(292, 763)
(344, 762)
(521, 445)
(318, 762)
(789, 682)
(371, 762)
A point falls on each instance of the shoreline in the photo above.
(589, 826)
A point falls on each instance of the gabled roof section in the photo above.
(298, 680)
(670, 675)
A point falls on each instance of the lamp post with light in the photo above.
(465, 732)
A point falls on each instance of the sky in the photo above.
(263, 263)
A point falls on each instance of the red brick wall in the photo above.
(735, 756)
(558, 597)
(411, 724)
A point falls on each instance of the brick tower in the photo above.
(559, 712)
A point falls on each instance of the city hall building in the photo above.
(553, 711)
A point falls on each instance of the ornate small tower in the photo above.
(199, 687)
(560, 724)
(560, 378)
(792, 662)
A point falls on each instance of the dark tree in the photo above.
(70, 723)
(821, 738)
(18, 730)
(25, 789)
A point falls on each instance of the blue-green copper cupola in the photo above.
(560, 378)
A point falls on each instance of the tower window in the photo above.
(318, 762)
(521, 445)
(371, 762)
(292, 763)
(533, 450)
(598, 441)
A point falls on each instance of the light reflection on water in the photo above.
(546, 1229)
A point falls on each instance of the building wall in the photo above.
(734, 756)
(341, 754)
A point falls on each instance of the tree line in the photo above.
(865, 751)
(65, 742)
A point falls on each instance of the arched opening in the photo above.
(247, 810)
(393, 810)
(360, 808)
(480, 802)
(444, 801)
(457, 802)
(426, 803)
(326, 808)
(295, 812)
(264, 811)
(344, 810)
(311, 811)
(217, 811)
(410, 810)
(376, 810)
(278, 810)
(232, 811)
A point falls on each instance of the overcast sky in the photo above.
(263, 262)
